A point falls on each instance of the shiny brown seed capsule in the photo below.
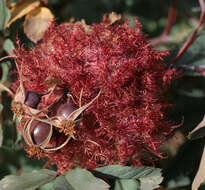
(32, 99)
(40, 132)
(64, 110)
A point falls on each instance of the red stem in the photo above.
(194, 35)
(170, 22)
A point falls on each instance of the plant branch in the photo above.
(170, 22)
(194, 35)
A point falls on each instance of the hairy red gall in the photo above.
(115, 111)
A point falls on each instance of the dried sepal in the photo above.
(5, 88)
(77, 112)
(26, 132)
(66, 126)
(7, 57)
(58, 147)
(17, 109)
(34, 151)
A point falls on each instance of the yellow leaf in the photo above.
(22, 8)
(37, 22)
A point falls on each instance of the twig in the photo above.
(170, 22)
(194, 35)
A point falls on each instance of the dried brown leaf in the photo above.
(200, 176)
(113, 17)
(37, 22)
(22, 8)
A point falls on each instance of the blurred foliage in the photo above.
(187, 93)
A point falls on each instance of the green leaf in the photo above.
(4, 14)
(126, 172)
(48, 186)
(61, 183)
(149, 177)
(5, 71)
(126, 184)
(8, 46)
(194, 56)
(27, 181)
(151, 181)
(81, 179)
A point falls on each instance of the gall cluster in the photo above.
(90, 96)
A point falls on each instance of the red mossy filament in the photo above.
(128, 119)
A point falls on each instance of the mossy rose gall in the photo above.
(115, 80)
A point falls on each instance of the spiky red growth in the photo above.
(128, 119)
